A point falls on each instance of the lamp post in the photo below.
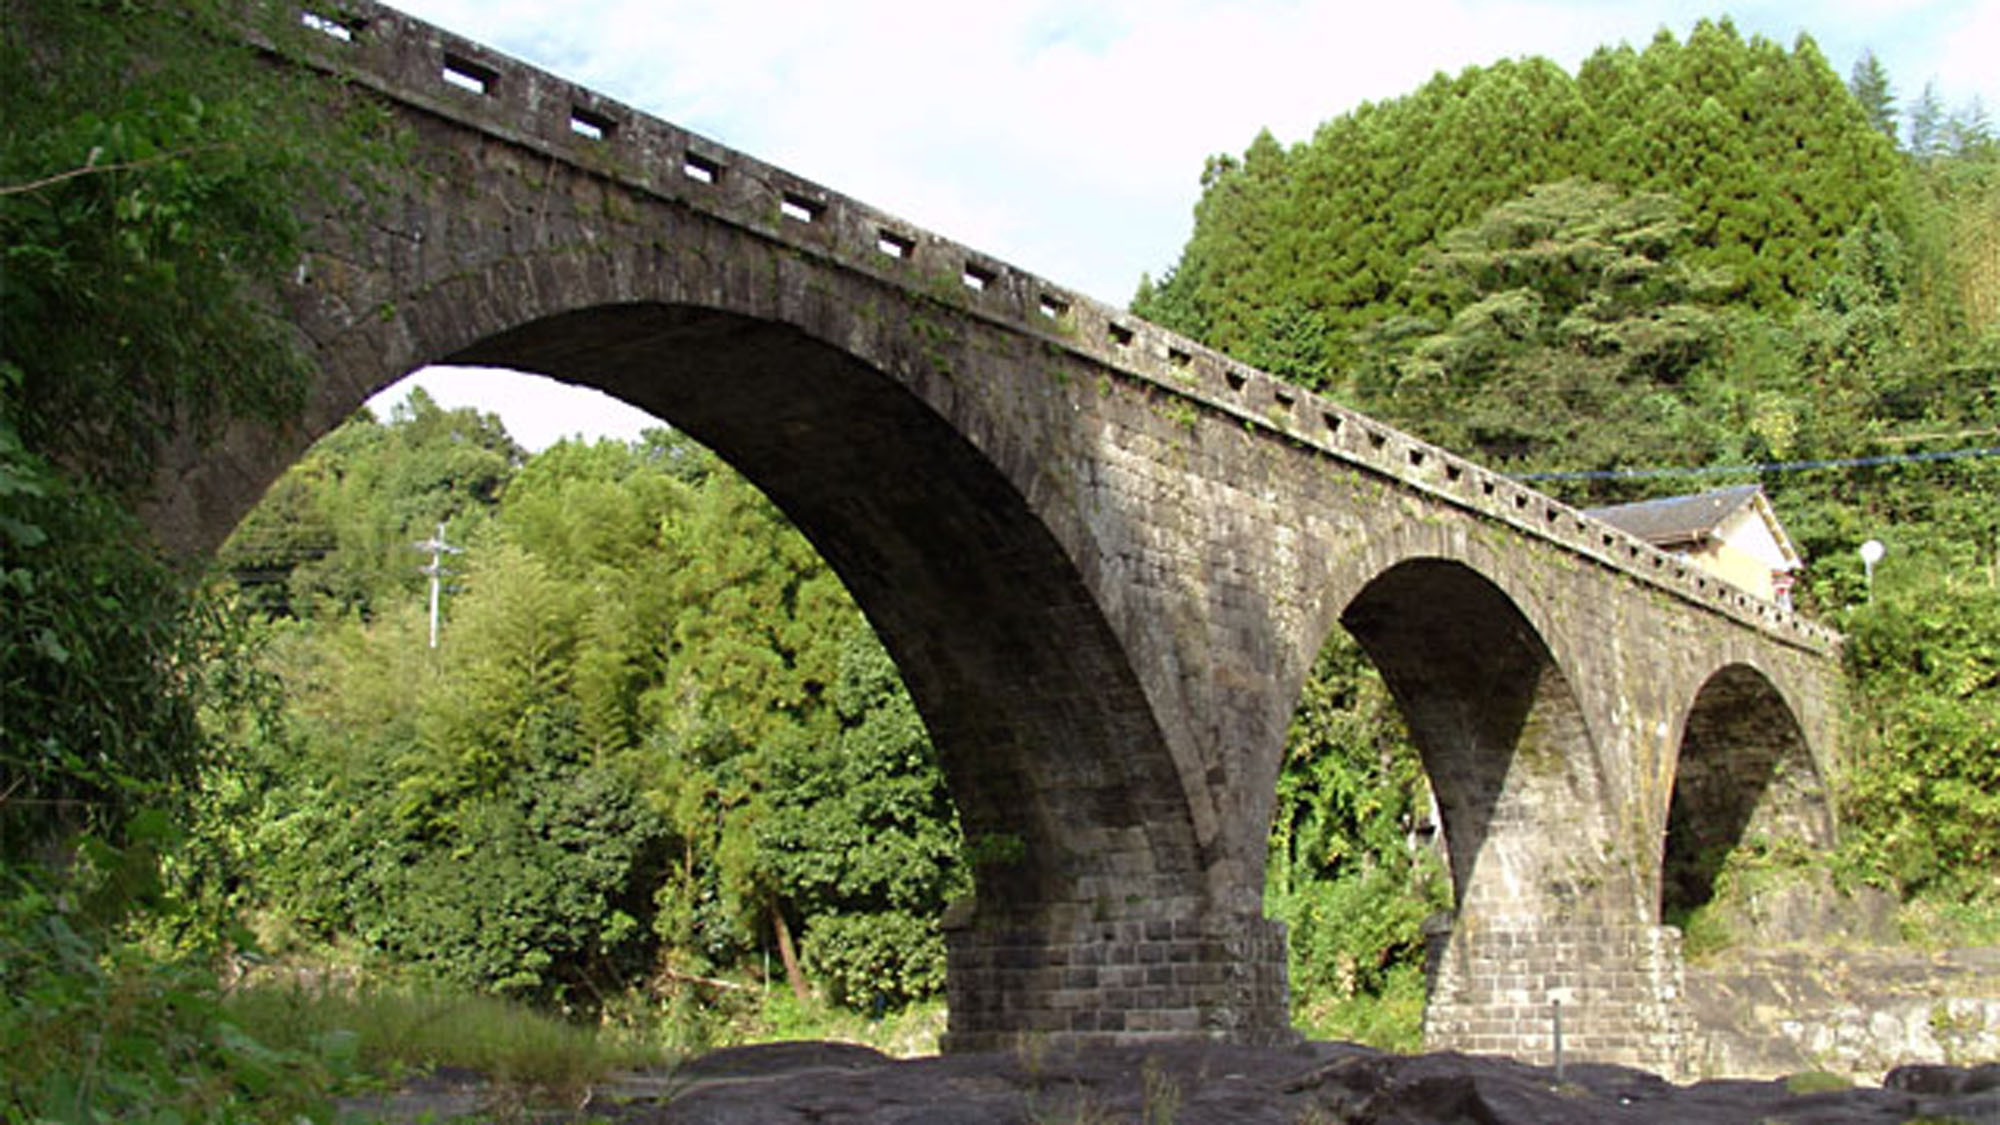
(1871, 553)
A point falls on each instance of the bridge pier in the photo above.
(1107, 983)
(1493, 991)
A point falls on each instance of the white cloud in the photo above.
(538, 411)
(1968, 59)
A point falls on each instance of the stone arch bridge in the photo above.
(1103, 556)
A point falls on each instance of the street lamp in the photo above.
(1871, 553)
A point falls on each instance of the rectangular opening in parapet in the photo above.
(1052, 306)
(700, 168)
(468, 75)
(1180, 357)
(1236, 379)
(1121, 336)
(977, 278)
(591, 124)
(336, 28)
(800, 208)
(1332, 421)
(895, 244)
(1284, 398)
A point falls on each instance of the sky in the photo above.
(1067, 137)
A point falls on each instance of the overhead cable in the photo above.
(1765, 467)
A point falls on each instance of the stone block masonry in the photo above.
(1619, 989)
(1115, 983)
(1103, 557)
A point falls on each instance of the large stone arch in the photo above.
(931, 422)
(874, 418)
(1745, 770)
(1504, 738)
(986, 615)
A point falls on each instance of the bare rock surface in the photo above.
(1200, 1083)
(1778, 1009)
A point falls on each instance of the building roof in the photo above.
(1677, 519)
(1687, 521)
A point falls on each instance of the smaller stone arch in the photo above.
(1550, 901)
(1503, 736)
(1744, 772)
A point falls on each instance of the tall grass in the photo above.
(905, 1033)
(391, 1032)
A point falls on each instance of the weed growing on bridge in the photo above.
(1162, 1094)
(1178, 412)
(946, 287)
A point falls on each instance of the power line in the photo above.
(1765, 467)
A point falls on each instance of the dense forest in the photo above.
(656, 768)
(655, 740)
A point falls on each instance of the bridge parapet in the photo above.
(441, 73)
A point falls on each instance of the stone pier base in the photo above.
(1116, 983)
(1620, 987)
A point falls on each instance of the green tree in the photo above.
(336, 532)
(863, 841)
(1869, 82)
(146, 190)
(1968, 132)
(1926, 124)
(1574, 296)
(658, 735)
(100, 653)
(147, 183)
(1924, 659)
(1297, 254)
(150, 159)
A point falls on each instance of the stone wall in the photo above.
(1857, 1012)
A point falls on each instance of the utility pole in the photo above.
(438, 549)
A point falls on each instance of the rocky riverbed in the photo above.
(1212, 1084)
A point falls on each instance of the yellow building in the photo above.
(1731, 533)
